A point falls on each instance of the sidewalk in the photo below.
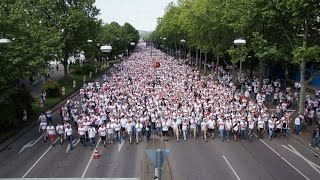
(55, 75)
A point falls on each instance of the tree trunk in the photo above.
(217, 66)
(197, 55)
(65, 66)
(176, 47)
(205, 63)
(200, 59)
(233, 73)
(261, 73)
(302, 97)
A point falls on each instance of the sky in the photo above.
(141, 14)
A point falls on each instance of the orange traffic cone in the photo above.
(96, 154)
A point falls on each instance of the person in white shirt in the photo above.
(69, 136)
(235, 129)
(203, 126)
(271, 125)
(49, 115)
(43, 129)
(243, 129)
(117, 129)
(51, 133)
(138, 127)
(297, 125)
(193, 127)
(261, 127)
(228, 129)
(92, 134)
(129, 130)
(110, 131)
(165, 129)
(211, 127)
(60, 132)
(251, 127)
(102, 133)
(184, 129)
(175, 127)
(82, 135)
(221, 125)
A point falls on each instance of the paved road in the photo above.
(191, 159)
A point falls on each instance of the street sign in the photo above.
(157, 156)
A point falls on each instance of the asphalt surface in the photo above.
(188, 160)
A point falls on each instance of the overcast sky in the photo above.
(142, 14)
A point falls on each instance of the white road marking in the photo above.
(39, 159)
(234, 172)
(74, 142)
(294, 151)
(295, 168)
(120, 145)
(270, 147)
(30, 144)
(91, 157)
(284, 159)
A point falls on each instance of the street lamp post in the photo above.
(182, 41)
(106, 49)
(132, 44)
(164, 39)
(240, 42)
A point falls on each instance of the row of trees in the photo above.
(43, 30)
(286, 31)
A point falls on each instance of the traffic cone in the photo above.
(96, 154)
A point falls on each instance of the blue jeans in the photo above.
(159, 131)
(184, 134)
(92, 141)
(243, 134)
(221, 131)
(228, 135)
(118, 136)
(297, 129)
(70, 139)
(270, 133)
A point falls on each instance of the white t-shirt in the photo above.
(50, 130)
(102, 131)
(92, 132)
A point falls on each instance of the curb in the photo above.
(54, 108)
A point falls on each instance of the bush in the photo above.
(52, 88)
(85, 69)
(11, 110)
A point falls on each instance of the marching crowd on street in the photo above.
(148, 96)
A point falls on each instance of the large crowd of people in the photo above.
(147, 96)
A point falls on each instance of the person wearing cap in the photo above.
(69, 136)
